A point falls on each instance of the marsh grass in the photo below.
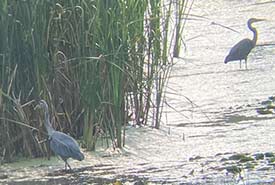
(108, 61)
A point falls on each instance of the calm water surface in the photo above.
(213, 98)
(215, 103)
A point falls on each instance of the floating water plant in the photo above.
(249, 165)
(242, 158)
(269, 154)
(233, 169)
(267, 106)
(237, 156)
(259, 156)
(264, 111)
(246, 159)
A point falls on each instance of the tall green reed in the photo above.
(108, 61)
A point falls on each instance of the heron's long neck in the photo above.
(47, 122)
(255, 33)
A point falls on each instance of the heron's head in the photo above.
(252, 20)
(42, 104)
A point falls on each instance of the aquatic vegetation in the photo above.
(236, 163)
(271, 160)
(233, 169)
(109, 61)
(269, 154)
(246, 159)
(267, 106)
(264, 111)
(238, 157)
(259, 156)
(249, 165)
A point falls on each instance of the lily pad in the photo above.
(259, 156)
(249, 166)
(269, 154)
(237, 156)
(241, 158)
(271, 160)
(246, 159)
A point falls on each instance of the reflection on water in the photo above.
(213, 112)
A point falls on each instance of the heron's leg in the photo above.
(240, 64)
(246, 63)
(67, 164)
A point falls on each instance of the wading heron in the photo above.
(61, 144)
(241, 50)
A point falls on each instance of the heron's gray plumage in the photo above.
(61, 144)
(241, 50)
(65, 146)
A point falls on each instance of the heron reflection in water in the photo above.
(241, 50)
(61, 144)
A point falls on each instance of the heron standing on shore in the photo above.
(61, 144)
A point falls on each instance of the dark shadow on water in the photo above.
(84, 175)
(241, 118)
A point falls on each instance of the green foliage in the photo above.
(267, 106)
(108, 60)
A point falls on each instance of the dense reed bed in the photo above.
(107, 61)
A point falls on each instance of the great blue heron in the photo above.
(61, 144)
(241, 50)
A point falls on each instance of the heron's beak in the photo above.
(258, 20)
